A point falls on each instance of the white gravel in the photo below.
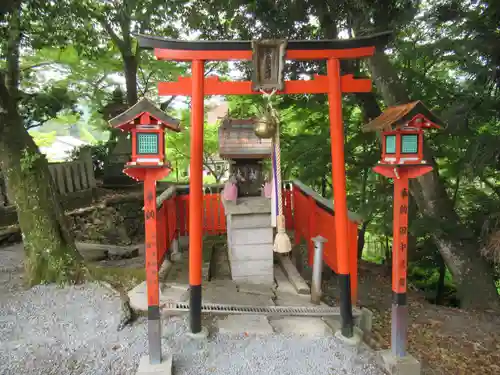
(72, 330)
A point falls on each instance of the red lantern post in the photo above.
(402, 130)
(147, 125)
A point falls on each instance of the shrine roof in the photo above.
(124, 119)
(398, 115)
(151, 41)
(237, 140)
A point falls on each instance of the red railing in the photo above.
(214, 217)
(306, 213)
(313, 216)
(166, 226)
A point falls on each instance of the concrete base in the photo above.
(200, 336)
(263, 290)
(366, 320)
(245, 324)
(293, 275)
(233, 297)
(176, 257)
(299, 325)
(398, 366)
(353, 341)
(168, 293)
(163, 368)
(284, 285)
(164, 269)
(333, 322)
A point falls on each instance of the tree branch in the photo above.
(46, 63)
(166, 104)
(120, 44)
(492, 186)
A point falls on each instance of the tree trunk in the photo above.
(460, 249)
(119, 153)
(440, 284)
(50, 252)
(130, 66)
(323, 187)
(388, 256)
(361, 238)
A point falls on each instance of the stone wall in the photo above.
(118, 220)
(8, 215)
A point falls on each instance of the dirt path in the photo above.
(446, 340)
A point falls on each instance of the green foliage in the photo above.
(38, 108)
(43, 139)
(178, 147)
(28, 160)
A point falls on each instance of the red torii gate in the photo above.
(197, 86)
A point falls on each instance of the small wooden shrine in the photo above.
(246, 152)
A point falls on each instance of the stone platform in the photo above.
(250, 240)
(281, 293)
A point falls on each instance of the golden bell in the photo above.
(265, 127)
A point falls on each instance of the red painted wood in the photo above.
(214, 86)
(288, 209)
(150, 219)
(172, 219)
(352, 236)
(310, 220)
(214, 217)
(183, 214)
(400, 234)
(183, 55)
(162, 233)
(313, 230)
(301, 215)
(326, 228)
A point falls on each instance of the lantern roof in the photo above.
(399, 115)
(237, 140)
(127, 120)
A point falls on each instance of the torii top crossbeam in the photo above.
(177, 50)
(225, 50)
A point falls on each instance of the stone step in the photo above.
(293, 275)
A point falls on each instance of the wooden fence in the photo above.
(69, 177)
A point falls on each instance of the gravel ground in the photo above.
(72, 330)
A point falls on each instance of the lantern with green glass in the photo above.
(404, 144)
(146, 124)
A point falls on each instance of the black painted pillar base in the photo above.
(195, 308)
(347, 329)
